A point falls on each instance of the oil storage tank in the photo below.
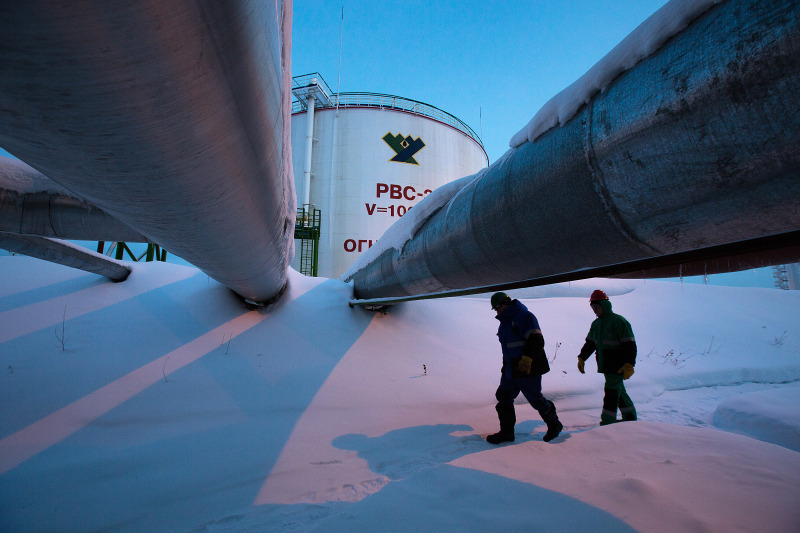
(361, 161)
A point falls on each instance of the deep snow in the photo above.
(173, 408)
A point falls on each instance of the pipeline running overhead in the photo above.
(167, 116)
(31, 204)
(33, 208)
(696, 148)
(64, 254)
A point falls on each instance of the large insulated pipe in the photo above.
(696, 147)
(169, 116)
(64, 254)
(31, 204)
(64, 217)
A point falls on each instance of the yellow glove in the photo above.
(525, 364)
(626, 371)
(581, 362)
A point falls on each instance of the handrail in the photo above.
(310, 79)
(389, 101)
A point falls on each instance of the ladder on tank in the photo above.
(307, 229)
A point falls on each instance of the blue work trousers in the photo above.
(530, 387)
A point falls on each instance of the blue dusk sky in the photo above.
(491, 64)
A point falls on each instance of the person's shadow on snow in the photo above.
(429, 494)
(401, 452)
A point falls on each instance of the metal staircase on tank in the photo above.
(307, 229)
(781, 276)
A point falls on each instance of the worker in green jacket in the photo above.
(612, 337)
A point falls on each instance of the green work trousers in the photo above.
(616, 397)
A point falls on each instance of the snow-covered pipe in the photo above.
(166, 115)
(64, 254)
(696, 147)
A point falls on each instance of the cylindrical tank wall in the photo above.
(369, 167)
(793, 276)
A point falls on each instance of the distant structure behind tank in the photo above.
(361, 161)
(787, 277)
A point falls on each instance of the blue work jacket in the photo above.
(516, 325)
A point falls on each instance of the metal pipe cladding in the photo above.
(695, 147)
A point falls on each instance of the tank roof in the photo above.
(314, 83)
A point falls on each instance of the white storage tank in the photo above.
(367, 161)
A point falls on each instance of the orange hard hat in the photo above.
(598, 295)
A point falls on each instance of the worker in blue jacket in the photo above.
(524, 363)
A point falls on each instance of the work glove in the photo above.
(626, 371)
(525, 364)
(581, 362)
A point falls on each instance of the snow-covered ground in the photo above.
(161, 404)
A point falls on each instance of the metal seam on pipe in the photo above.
(51, 215)
(598, 180)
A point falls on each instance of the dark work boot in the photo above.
(508, 418)
(554, 426)
(626, 407)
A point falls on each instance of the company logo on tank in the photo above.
(404, 147)
(398, 196)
